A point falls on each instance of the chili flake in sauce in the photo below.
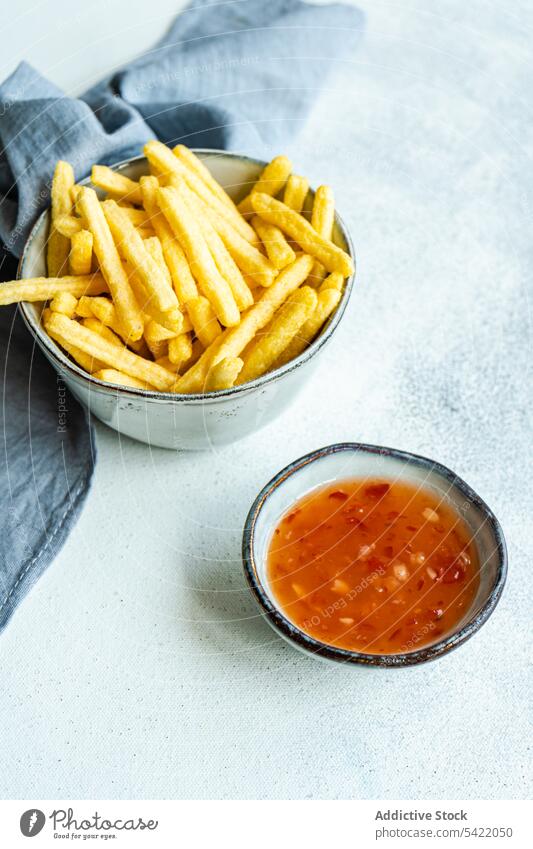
(378, 566)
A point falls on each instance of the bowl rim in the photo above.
(65, 364)
(321, 650)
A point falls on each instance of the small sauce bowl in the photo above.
(353, 460)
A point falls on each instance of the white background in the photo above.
(138, 666)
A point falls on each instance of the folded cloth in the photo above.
(236, 74)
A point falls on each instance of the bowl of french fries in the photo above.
(183, 296)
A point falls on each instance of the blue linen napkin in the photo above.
(236, 75)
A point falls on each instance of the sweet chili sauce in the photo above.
(377, 566)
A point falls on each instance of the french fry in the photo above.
(81, 252)
(204, 320)
(113, 356)
(322, 218)
(165, 160)
(202, 264)
(106, 312)
(271, 181)
(128, 310)
(180, 349)
(165, 362)
(131, 247)
(173, 320)
(234, 340)
(111, 375)
(83, 307)
(332, 257)
(182, 279)
(65, 303)
(43, 288)
(335, 280)
(97, 326)
(87, 363)
(224, 374)
(327, 302)
(117, 185)
(276, 245)
(224, 261)
(138, 217)
(195, 164)
(247, 257)
(155, 249)
(68, 225)
(295, 192)
(284, 327)
(58, 245)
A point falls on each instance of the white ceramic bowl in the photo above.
(166, 419)
(353, 460)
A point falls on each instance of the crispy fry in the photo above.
(132, 248)
(58, 245)
(194, 163)
(115, 184)
(271, 181)
(224, 261)
(335, 280)
(88, 363)
(284, 327)
(327, 302)
(247, 257)
(204, 320)
(292, 223)
(111, 375)
(173, 320)
(322, 218)
(182, 279)
(295, 192)
(224, 374)
(165, 362)
(65, 303)
(42, 288)
(165, 160)
(180, 349)
(128, 310)
(276, 245)
(211, 282)
(106, 312)
(234, 341)
(81, 252)
(68, 225)
(138, 217)
(83, 307)
(155, 249)
(113, 356)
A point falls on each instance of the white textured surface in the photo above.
(138, 666)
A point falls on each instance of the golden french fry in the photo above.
(155, 249)
(132, 248)
(203, 320)
(194, 163)
(247, 257)
(88, 363)
(335, 280)
(83, 307)
(332, 257)
(223, 260)
(271, 181)
(327, 302)
(165, 362)
(58, 245)
(180, 349)
(295, 192)
(145, 232)
(128, 310)
(111, 375)
(322, 218)
(233, 341)
(165, 160)
(173, 320)
(97, 326)
(68, 225)
(111, 355)
(65, 303)
(138, 217)
(276, 245)
(117, 185)
(283, 328)
(81, 252)
(106, 312)
(43, 288)
(182, 279)
(224, 374)
(202, 264)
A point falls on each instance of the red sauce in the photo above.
(377, 566)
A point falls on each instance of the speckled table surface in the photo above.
(139, 667)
